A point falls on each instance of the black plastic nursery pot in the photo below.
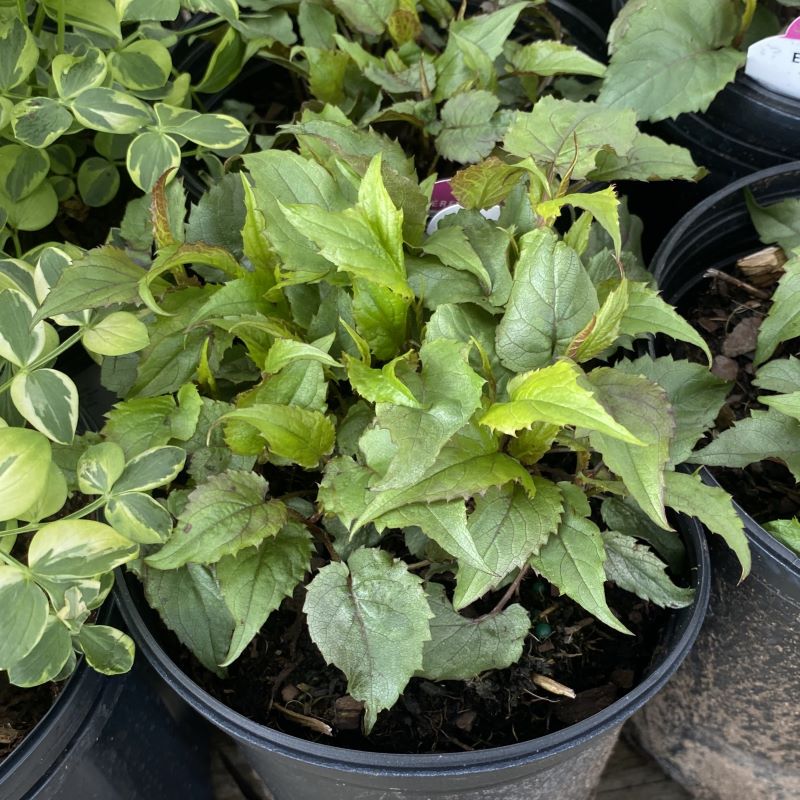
(108, 739)
(727, 726)
(565, 765)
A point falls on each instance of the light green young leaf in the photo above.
(25, 458)
(381, 316)
(449, 394)
(52, 499)
(764, 434)
(147, 10)
(47, 658)
(140, 423)
(380, 385)
(255, 581)
(603, 330)
(667, 59)
(301, 435)
(778, 223)
(78, 548)
(573, 560)
(786, 531)
(635, 568)
(288, 351)
(643, 408)
(570, 135)
(486, 184)
(460, 649)
(96, 16)
(558, 394)
(117, 334)
(783, 319)
(648, 313)
(694, 393)
(552, 300)
(224, 515)
(48, 400)
(508, 527)
(555, 58)
(108, 651)
(190, 603)
(369, 618)
(713, 507)
(23, 623)
(451, 246)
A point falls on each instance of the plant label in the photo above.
(775, 62)
(443, 203)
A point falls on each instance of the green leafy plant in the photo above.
(669, 57)
(431, 416)
(84, 88)
(773, 431)
(55, 564)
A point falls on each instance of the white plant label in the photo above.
(775, 62)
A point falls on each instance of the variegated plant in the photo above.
(87, 86)
(55, 565)
(433, 416)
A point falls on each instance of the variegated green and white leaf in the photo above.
(74, 73)
(139, 517)
(24, 615)
(48, 399)
(18, 53)
(25, 457)
(150, 155)
(99, 467)
(142, 65)
(152, 468)
(109, 110)
(21, 343)
(39, 121)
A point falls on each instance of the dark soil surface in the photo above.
(20, 710)
(282, 681)
(728, 316)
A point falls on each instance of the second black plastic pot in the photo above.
(566, 764)
(728, 724)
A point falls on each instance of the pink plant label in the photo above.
(442, 195)
(774, 62)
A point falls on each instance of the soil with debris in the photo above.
(728, 315)
(20, 710)
(282, 681)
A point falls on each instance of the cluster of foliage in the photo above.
(771, 432)
(334, 380)
(669, 57)
(87, 85)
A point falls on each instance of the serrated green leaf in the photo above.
(603, 330)
(468, 464)
(788, 404)
(190, 603)
(713, 507)
(779, 375)
(508, 527)
(255, 581)
(301, 435)
(381, 316)
(380, 385)
(764, 434)
(461, 648)
(449, 394)
(643, 408)
(25, 457)
(783, 318)
(558, 395)
(24, 622)
(694, 393)
(108, 651)
(786, 531)
(666, 61)
(48, 400)
(470, 129)
(778, 223)
(555, 58)
(569, 135)
(486, 184)
(649, 159)
(648, 313)
(78, 548)
(451, 246)
(635, 568)
(573, 560)
(287, 351)
(117, 334)
(224, 515)
(552, 299)
(369, 618)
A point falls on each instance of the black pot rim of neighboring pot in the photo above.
(684, 625)
(660, 266)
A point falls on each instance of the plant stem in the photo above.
(38, 21)
(17, 244)
(203, 26)
(23, 17)
(61, 27)
(724, 276)
(79, 514)
(510, 592)
(12, 562)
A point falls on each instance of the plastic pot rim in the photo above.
(671, 249)
(430, 765)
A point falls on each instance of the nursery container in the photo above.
(565, 765)
(727, 726)
(108, 739)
